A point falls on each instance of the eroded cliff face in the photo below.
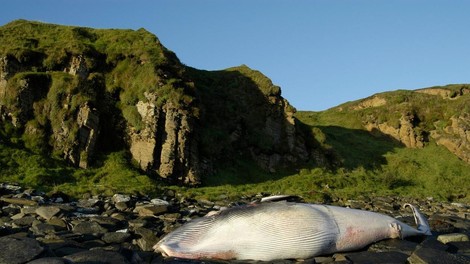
(456, 136)
(97, 91)
(166, 145)
(26, 104)
(407, 132)
(414, 118)
(280, 127)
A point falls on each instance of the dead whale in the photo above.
(284, 230)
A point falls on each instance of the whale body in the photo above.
(283, 230)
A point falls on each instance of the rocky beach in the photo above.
(39, 228)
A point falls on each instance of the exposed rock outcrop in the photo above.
(167, 143)
(456, 137)
(281, 128)
(89, 126)
(113, 90)
(373, 101)
(407, 131)
(445, 93)
(438, 113)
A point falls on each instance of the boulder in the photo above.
(18, 249)
(47, 212)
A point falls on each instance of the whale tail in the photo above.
(422, 224)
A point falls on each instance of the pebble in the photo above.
(35, 228)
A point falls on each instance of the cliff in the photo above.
(80, 92)
(415, 118)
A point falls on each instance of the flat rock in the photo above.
(18, 249)
(121, 198)
(424, 255)
(109, 223)
(115, 237)
(48, 260)
(19, 201)
(68, 250)
(398, 245)
(121, 206)
(454, 237)
(89, 227)
(43, 229)
(157, 201)
(391, 257)
(97, 256)
(58, 223)
(431, 242)
(150, 209)
(147, 240)
(47, 212)
(24, 221)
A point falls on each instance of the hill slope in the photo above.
(412, 118)
(121, 109)
(412, 143)
(81, 93)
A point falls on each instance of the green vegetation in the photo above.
(133, 62)
(124, 66)
(47, 174)
(427, 108)
(368, 171)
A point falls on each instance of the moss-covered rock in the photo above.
(77, 92)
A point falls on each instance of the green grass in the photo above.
(124, 64)
(115, 175)
(406, 172)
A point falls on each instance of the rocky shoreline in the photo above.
(36, 228)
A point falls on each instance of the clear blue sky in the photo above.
(321, 52)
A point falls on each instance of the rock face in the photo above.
(413, 118)
(166, 145)
(114, 90)
(406, 132)
(456, 136)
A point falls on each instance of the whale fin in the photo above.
(421, 222)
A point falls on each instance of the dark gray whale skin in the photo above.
(283, 230)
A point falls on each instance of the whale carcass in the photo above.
(284, 230)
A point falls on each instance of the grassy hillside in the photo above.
(231, 105)
(369, 163)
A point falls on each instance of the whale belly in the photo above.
(261, 232)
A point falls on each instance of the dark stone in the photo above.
(115, 237)
(42, 229)
(49, 260)
(109, 223)
(10, 210)
(89, 227)
(59, 197)
(68, 250)
(462, 248)
(94, 244)
(398, 245)
(431, 242)
(146, 257)
(18, 249)
(441, 224)
(24, 221)
(79, 237)
(148, 239)
(97, 256)
(424, 255)
(367, 257)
